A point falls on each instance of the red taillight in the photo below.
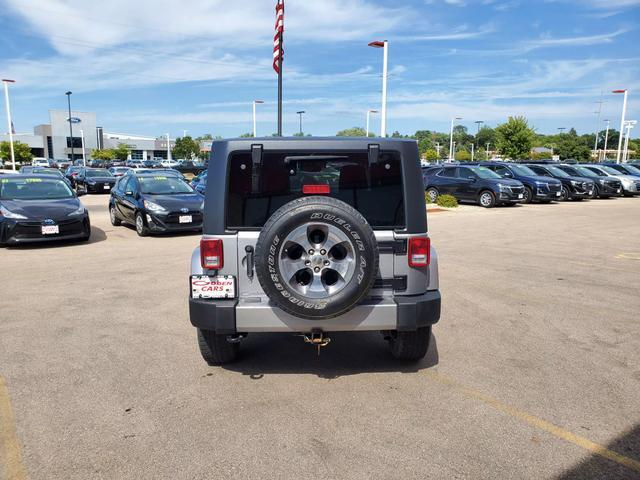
(211, 254)
(419, 252)
(323, 189)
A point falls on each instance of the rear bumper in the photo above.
(403, 313)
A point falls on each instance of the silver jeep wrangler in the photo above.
(313, 236)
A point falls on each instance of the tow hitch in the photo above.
(317, 339)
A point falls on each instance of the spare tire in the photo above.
(316, 258)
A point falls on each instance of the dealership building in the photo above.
(53, 140)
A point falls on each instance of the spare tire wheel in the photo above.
(316, 258)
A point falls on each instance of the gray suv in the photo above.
(313, 236)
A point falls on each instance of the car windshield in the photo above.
(118, 169)
(522, 170)
(98, 172)
(484, 172)
(47, 171)
(609, 170)
(163, 185)
(33, 189)
(555, 171)
(585, 172)
(632, 170)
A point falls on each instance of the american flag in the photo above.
(278, 51)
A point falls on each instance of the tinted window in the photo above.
(33, 189)
(502, 171)
(484, 172)
(130, 186)
(374, 190)
(522, 170)
(448, 172)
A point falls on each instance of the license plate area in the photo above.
(50, 229)
(185, 219)
(218, 286)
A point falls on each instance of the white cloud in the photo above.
(586, 40)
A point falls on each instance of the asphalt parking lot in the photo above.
(534, 372)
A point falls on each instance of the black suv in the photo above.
(313, 236)
(473, 184)
(573, 188)
(536, 187)
(604, 187)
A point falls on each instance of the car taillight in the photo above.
(419, 252)
(322, 189)
(211, 254)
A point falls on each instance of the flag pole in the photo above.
(280, 50)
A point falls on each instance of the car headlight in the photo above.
(9, 214)
(627, 182)
(502, 186)
(202, 205)
(91, 182)
(574, 183)
(154, 207)
(542, 184)
(79, 211)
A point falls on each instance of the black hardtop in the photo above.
(216, 194)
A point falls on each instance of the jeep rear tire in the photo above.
(410, 345)
(316, 258)
(215, 349)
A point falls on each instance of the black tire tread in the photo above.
(411, 345)
(215, 349)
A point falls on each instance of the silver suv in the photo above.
(313, 236)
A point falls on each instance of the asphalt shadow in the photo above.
(348, 353)
(596, 467)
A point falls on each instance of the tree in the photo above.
(541, 155)
(352, 132)
(484, 136)
(570, 145)
(121, 152)
(246, 135)
(106, 154)
(21, 151)
(514, 138)
(186, 147)
(431, 156)
(463, 156)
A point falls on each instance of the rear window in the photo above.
(374, 190)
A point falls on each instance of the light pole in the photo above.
(385, 62)
(6, 83)
(629, 124)
(454, 151)
(599, 112)
(624, 113)
(606, 140)
(562, 129)
(84, 158)
(255, 129)
(168, 147)
(438, 147)
(68, 94)
(451, 156)
(369, 112)
(473, 145)
(488, 143)
(300, 113)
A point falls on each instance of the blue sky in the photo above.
(156, 66)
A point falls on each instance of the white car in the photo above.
(40, 162)
(169, 163)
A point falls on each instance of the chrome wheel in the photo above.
(486, 199)
(139, 224)
(564, 193)
(317, 260)
(432, 193)
(112, 215)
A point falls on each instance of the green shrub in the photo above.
(447, 201)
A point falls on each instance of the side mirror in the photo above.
(473, 180)
(508, 175)
(128, 193)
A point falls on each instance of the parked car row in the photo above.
(500, 183)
